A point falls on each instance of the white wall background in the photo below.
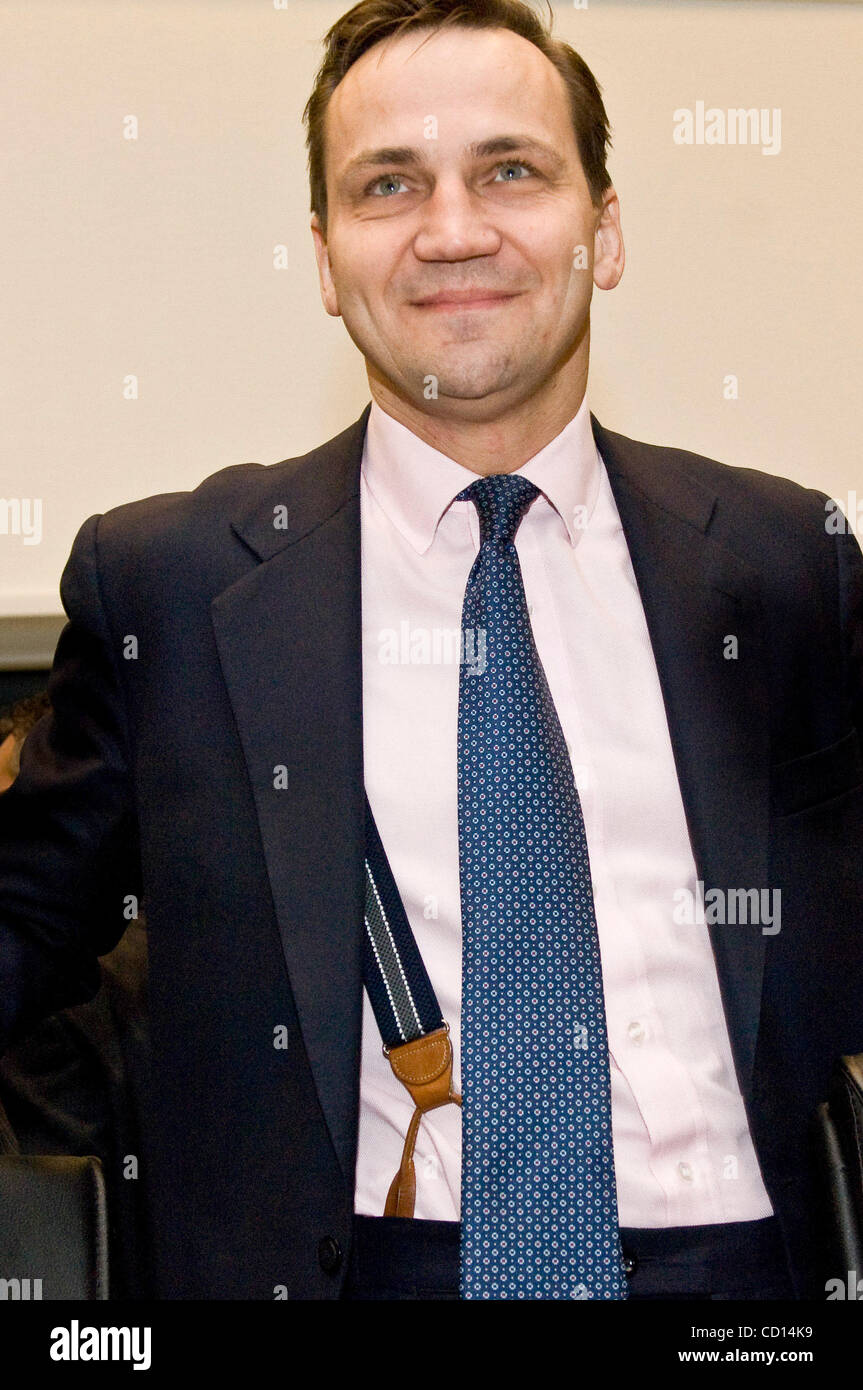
(154, 257)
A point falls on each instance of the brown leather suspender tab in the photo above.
(424, 1066)
(414, 1032)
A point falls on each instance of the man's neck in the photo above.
(501, 445)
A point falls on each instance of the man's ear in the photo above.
(609, 256)
(328, 289)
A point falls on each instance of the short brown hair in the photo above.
(371, 21)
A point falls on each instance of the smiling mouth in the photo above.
(455, 303)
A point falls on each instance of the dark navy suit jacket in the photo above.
(208, 646)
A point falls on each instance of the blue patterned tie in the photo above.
(538, 1197)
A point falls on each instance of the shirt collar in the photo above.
(415, 484)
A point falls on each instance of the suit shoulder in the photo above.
(200, 530)
(207, 509)
(755, 496)
(191, 521)
(174, 542)
(769, 490)
(165, 512)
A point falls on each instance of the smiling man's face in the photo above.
(453, 171)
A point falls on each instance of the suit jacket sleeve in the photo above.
(69, 851)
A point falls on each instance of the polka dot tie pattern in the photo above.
(538, 1200)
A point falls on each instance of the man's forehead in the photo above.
(493, 79)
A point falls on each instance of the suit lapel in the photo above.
(289, 639)
(289, 635)
(696, 593)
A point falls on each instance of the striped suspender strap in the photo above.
(415, 1036)
(397, 981)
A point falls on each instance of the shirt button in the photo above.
(685, 1171)
(636, 1032)
(530, 610)
(329, 1254)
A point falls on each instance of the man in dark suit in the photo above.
(218, 710)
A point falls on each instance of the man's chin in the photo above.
(470, 382)
(448, 393)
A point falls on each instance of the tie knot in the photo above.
(501, 501)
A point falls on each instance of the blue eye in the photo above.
(374, 188)
(516, 164)
(385, 178)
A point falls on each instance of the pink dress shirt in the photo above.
(683, 1151)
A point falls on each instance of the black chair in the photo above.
(53, 1225)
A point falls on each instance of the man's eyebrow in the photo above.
(389, 155)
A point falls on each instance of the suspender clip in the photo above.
(424, 1067)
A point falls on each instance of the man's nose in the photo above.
(455, 224)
